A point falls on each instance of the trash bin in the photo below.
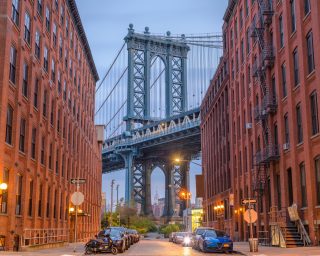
(253, 243)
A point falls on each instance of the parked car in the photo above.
(126, 236)
(215, 241)
(187, 239)
(178, 237)
(134, 235)
(171, 236)
(116, 236)
(196, 235)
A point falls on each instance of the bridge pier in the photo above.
(128, 160)
(148, 206)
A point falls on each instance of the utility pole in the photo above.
(117, 195)
(112, 184)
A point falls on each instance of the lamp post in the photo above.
(186, 195)
(112, 184)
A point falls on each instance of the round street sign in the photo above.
(77, 198)
(250, 219)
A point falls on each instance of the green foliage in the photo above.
(106, 219)
(142, 224)
(168, 229)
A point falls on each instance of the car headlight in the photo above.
(118, 242)
(187, 240)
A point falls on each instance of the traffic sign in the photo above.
(248, 201)
(250, 216)
(77, 198)
(78, 181)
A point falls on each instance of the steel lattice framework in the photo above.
(148, 141)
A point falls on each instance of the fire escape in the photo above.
(267, 151)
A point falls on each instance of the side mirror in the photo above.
(122, 235)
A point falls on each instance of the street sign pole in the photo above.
(251, 227)
(76, 220)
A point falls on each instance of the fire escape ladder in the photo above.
(269, 152)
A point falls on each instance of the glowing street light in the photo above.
(3, 186)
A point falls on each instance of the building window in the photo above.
(281, 31)
(299, 124)
(296, 67)
(15, 12)
(286, 129)
(54, 34)
(278, 184)
(25, 80)
(61, 14)
(307, 7)
(58, 120)
(9, 125)
(40, 200)
(30, 198)
(45, 59)
(57, 161)
(50, 155)
(37, 45)
(317, 169)
(247, 7)
(48, 203)
(13, 62)
(18, 194)
(314, 113)
(52, 113)
(27, 25)
(59, 82)
(43, 141)
(22, 135)
(35, 93)
(47, 18)
(275, 131)
(53, 71)
(45, 98)
(33, 143)
(55, 204)
(4, 193)
(284, 80)
(60, 47)
(39, 7)
(67, 27)
(293, 16)
(310, 52)
(303, 185)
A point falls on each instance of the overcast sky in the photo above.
(106, 23)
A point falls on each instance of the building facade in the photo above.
(47, 132)
(274, 128)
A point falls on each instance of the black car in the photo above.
(134, 235)
(116, 236)
(126, 236)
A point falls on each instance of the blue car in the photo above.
(215, 241)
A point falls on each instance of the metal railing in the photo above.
(125, 142)
(268, 154)
(37, 237)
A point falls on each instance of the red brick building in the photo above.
(47, 132)
(272, 87)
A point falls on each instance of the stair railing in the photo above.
(303, 233)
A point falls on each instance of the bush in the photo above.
(142, 224)
(168, 229)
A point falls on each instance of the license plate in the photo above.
(106, 247)
(225, 245)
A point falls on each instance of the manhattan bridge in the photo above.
(149, 103)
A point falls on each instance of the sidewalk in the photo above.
(65, 251)
(243, 247)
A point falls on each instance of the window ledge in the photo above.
(299, 145)
(304, 208)
(293, 34)
(296, 88)
(306, 16)
(315, 136)
(284, 98)
(311, 75)
(9, 145)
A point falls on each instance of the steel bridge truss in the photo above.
(142, 49)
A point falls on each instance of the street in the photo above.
(161, 247)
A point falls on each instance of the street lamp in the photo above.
(186, 195)
(3, 186)
(178, 160)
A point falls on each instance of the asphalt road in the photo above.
(162, 248)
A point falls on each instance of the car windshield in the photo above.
(211, 233)
(112, 232)
(200, 231)
(220, 233)
(179, 234)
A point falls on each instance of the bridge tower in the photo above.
(142, 49)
